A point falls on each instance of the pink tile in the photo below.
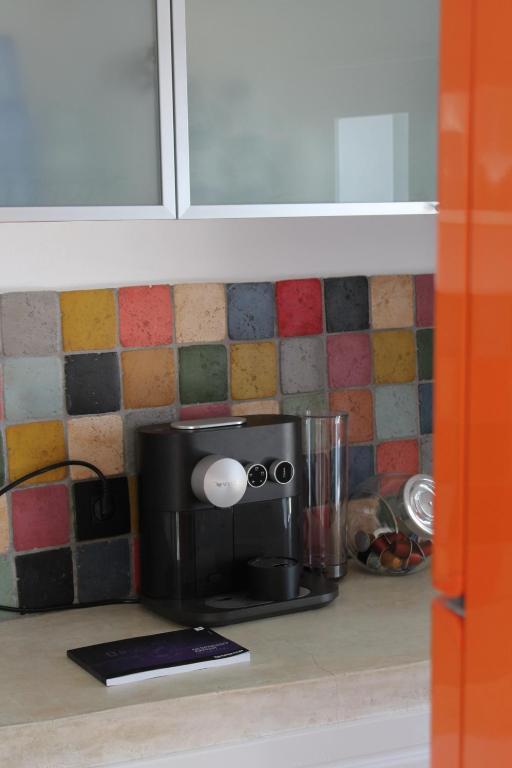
(145, 316)
(40, 517)
(424, 301)
(398, 456)
(205, 411)
(349, 360)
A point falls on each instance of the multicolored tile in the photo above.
(251, 313)
(400, 456)
(299, 307)
(396, 409)
(392, 301)
(145, 316)
(302, 365)
(253, 370)
(88, 320)
(4, 525)
(299, 405)
(30, 323)
(98, 440)
(425, 403)
(92, 383)
(33, 388)
(103, 570)
(361, 465)
(40, 517)
(346, 304)
(426, 454)
(2, 460)
(358, 403)
(205, 411)
(8, 592)
(424, 300)
(255, 407)
(394, 357)
(35, 445)
(148, 378)
(424, 346)
(142, 418)
(45, 578)
(203, 374)
(349, 360)
(200, 312)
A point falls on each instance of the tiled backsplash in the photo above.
(83, 369)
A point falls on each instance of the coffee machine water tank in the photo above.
(220, 500)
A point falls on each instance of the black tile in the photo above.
(45, 578)
(103, 570)
(92, 383)
(425, 400)
(346, 304)
(89, 520)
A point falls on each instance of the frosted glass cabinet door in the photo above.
(80, 116)
(307, 101)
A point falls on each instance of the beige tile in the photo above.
(4, 525)
(200, 312)
(98, 439)
(255, 407)
(148, 378)
(392, 301)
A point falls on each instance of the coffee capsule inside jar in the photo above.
(390, 523)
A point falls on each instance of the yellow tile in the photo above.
(148, 378)
(134, 503)
(34, 445)
(88, 320)
(392, 301)
(98, 439)
(394, 357)
(253, 370)
(4, 524)
(255, 407)
(200, 312)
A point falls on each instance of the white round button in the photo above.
(219, 481)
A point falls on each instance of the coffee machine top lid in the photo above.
(210, 423)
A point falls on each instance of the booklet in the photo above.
(168, 653)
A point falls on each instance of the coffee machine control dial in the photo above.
(281, 471)
(219, 481)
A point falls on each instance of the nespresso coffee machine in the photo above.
(221, 521)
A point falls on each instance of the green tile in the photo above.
(424, 345)
(297, 405)
(7, 586)
(203, 374)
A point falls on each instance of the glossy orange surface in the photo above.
(447, 632)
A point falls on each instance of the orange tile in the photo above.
(255, 407)
(392, 304)
(34, 445)
(4, 524)
(253, 370)
(98, 439)
(200, 312)
(88, 320)
(358, 403)
(394, 357)
(148, 378)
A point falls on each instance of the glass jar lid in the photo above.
(418, 496)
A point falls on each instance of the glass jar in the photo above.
(390, 523)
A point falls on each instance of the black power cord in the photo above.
(105, 513)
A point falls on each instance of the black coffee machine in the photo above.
(221, 521)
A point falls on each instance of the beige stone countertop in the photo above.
(366, 653)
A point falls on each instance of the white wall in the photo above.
(88, 254)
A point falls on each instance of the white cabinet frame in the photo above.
(186, 210)
(167, 209)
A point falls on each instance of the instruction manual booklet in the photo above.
(168, 653)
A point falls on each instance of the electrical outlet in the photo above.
(90, 520)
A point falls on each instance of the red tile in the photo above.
(424, 301)
(145, 316)
(398, 456)
(349, 360)
(358, 403)
(299, 307)
(40, 517)
(136, 564)
(205, 411)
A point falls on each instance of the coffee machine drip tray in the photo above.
(233, 607)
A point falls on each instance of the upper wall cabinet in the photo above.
(86, 128)
(305, 107)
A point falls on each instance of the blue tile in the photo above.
(33, 388)
(251, 313)
(360, 465)
(425, 400)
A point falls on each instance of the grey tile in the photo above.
(251, 313)
(426, 454)
(135, 419)
(45, 578)
(30, 323)
(302, 365)
(7, 585)
(396, 411)
(33, 388)
(297, 405)
(92, 383)
(103, 570)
